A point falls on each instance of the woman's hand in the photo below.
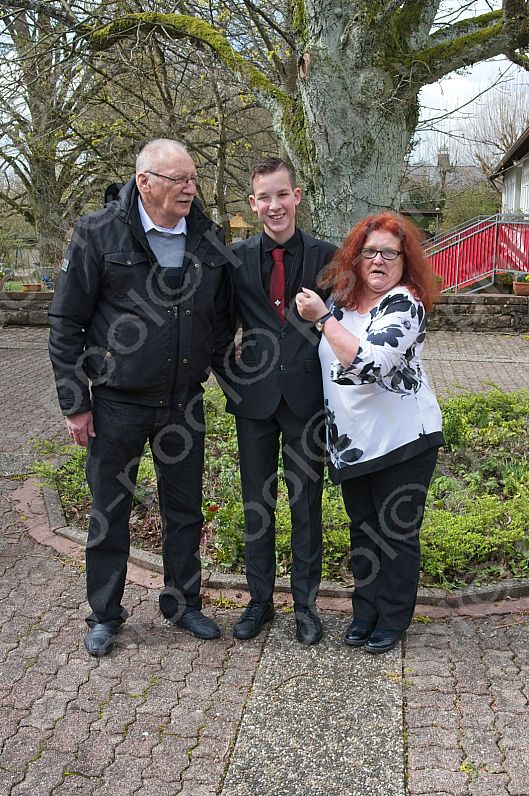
(343, 343)
(310, 306)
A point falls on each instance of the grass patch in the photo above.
(476, 524)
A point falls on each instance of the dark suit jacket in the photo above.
(277, 361)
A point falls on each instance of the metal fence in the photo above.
(477, 250)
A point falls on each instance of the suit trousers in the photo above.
(385, 509)
(176, 439)
(303, 452)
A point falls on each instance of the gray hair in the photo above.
(153, 151)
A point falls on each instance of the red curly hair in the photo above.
(342, 275)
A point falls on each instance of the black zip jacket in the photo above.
(118, 325)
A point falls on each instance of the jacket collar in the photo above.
(126, 206)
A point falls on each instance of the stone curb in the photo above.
(505, 589)
(58, 524)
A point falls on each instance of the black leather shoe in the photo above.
(383, 640)
(252, 620)
(198, 625)
(358, 632)
(309, 628)
(100, 639)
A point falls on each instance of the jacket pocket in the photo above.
(209, 275)
(126, 273)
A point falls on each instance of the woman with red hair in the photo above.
(383, 421)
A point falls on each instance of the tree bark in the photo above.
(220, 212)
(360, 136)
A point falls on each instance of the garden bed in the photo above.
(476, 523)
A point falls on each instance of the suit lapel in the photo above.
(310, 260)
(253, 263)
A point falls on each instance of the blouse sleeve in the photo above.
(387, 347)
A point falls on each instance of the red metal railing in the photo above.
(477, 250)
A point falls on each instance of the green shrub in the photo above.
(229, 535)
(488, 530)
(69, 477)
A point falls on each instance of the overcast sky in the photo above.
(458, 89)
(460, 93)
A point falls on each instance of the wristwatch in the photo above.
(319, 324)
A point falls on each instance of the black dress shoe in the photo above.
(309, 628)
(383, 640)
(358, 632)
(252, 620)
(100, 639)
(198, 625)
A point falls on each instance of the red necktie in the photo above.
(277, 284)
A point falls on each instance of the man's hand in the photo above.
(80, 427)
(310, 306)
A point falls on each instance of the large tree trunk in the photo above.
(51, 242)
(50, 226)
(357, 134)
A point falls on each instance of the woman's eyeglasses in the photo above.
(387, 254)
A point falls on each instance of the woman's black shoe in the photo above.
(383, 640)
(357, 633)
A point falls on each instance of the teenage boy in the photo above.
(280, 401)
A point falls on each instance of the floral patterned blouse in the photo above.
(380, 409)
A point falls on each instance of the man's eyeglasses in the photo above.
(387, 254)
(178, 180)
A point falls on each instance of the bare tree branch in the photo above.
(180, 26)
(43, 7)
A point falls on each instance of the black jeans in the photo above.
(303, 450)
(176, 439)
(386, 510)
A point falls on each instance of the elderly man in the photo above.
(139, 315)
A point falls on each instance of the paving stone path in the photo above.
(167, 714)
(158, 717)
(467, 707)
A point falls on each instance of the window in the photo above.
(524, 190)
(509, 190)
